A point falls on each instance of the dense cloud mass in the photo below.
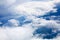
(29, 19)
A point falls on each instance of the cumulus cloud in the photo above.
(26, 31)
(11, 23)
(34, 8)
(18, 33)
(26, 14)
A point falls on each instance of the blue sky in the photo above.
(29, 19)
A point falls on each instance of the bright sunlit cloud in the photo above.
(19, 20)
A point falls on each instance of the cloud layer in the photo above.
(19, 20)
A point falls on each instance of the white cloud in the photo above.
(34, 8)
(56, 1)
(12, 22)
(17, 33)
(37, 22)
(28, 9)
(34, 38)
(24, 32)
(22, 1)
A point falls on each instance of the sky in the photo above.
(29, 19)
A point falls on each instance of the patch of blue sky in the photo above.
(28, 21)
(57, 14)
(22, 20)
(46, 33)
(49, 34)
(4, 18)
